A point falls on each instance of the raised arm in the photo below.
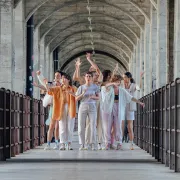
(115, 71)
(41, 78)
(38, 86)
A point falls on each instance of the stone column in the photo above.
(51, 67)
(147, 74)
(6, 44)
(137, 78)
(134, 64)
(142, 61)
(177, 40)
(153, 47)
(162, 39)
(19, 48)
(47, 63)
(42, 57)
(130, 64)
(36, 61)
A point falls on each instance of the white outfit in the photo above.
(100, 137)
(113, 112)
(88, 110)
(66, 127)
(131, 107)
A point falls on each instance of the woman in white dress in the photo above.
(131, 87)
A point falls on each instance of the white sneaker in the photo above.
(119, 146)
(62, 148)
(69, 147)
(56, 147)
(93, 147)
(86, 147)
(131, 147)
(81, 147)
(47, 147)
(99, 147)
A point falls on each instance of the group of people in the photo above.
(106, 100)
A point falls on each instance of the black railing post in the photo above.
(29, 64)
(39, 122)
(4, 125)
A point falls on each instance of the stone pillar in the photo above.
(42, 57)
(177, 40)
(147, 74)
(131, 64)
(162, 39)
(47, 63)
(142, 61)
(171, 14)
(137, 78)
(134, 64)
(19, 48)
(51, 67)
(36, 61)
(153, 47)
(6, 44)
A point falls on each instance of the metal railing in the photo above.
(157, 126)
(22, 123)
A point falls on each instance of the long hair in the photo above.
(106, 74)
(129, 75)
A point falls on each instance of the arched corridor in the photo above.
(142, 36)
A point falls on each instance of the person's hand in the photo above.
(142, 104)
(45, 81)
(34, 84)
(78, 62)
(84, 91)
(116, 68)
(142, 74)
(38, 73)
(88, 56)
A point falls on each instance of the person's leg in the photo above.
(117, 126)
(70, 124)
(122, 128)
(92, 114)
(50, 133)
(63, 128)
(130, 116)
(107, 129)
(82, 115)
(56, 134)
(87, 131)
(99, 126)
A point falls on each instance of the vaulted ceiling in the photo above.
(116, 28)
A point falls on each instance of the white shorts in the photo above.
(130, 115)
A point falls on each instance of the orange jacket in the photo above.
(60, 98)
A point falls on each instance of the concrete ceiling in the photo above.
(116, 28)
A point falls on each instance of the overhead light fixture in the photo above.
(89, 19)
(91, 35)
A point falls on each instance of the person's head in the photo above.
(57, 76)
(88, 77)
(127, 76)
(95, 76)
(106, 75)
(117, 78)
(66, 79)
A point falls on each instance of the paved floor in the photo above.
(38, 164)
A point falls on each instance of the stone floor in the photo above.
(38, 164)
